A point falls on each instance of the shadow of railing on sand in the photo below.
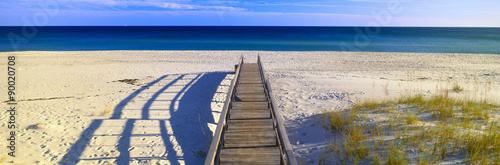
(166, 121)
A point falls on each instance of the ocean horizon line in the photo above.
(251, 26)
(472, 40)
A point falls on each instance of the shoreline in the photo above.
(304, 85)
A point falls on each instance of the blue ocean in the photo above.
(369, 39)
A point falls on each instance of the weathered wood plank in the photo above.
(256, 70)
(249, 143)
(257, 121)
(251, 97)
(250, 85)
(250, 81)
(250, 134)
(253, 69)
(254, 155)
(250, 114)
(250, 150)
(238, 92)
(250, 89)
(249, 138)
(250, 73)
(250, 105)
(250, 125)
(229, 162)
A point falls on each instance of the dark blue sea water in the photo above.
(384, 39)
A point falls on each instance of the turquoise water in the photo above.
(372, 39)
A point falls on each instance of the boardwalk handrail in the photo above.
(286, 149)
(212, 155)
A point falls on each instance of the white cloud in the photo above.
(102, 4)
(169, 5)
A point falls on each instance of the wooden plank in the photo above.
(250, 125)
(250, 80)
(250, 85)
(251, 97)
(250, 138)
(250, 88)
(250, 66)
(250, 134)
(249, 72)
(249, 92)
(256, 73)
(250, 114)
(262, 142)
(251, 76)
(251, 151)
(235, 162)
(254, 155)
(250, 69)
(250, 105)
(256, 70)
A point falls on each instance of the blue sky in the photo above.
(479, 13)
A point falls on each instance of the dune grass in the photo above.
(416, 130)
(107, 111)
(457, 88)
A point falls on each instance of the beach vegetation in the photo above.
(106, 111)
(337, 120)
(457, 88)
(416, 130)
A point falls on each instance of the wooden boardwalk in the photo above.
(250, 132)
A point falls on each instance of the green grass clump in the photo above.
(480, 145)
(457, 88)
(411, 119)
(338, 120)
(396, 155)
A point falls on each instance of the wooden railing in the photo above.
(287, 155)
(217, 141)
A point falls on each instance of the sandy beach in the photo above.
(161, 107)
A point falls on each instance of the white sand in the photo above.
(170, 120)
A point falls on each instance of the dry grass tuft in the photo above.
(338, 120)
(457, 88)
(431, 128)
(107, 111)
